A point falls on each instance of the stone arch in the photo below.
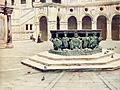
(86, 14)
(115, 27)
(102, 24)
(72, 22)
(86, 22)
(43, 27)
(102, 14)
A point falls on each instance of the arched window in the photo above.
(43, 28)
(56, 1)
(72, 22)
(116, 27)
(102, 24)
(86, 23)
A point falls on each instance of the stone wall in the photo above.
(79, 9)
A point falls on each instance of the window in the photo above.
(43, 1)
(71, 10)
(117, 8)
(26, 26)
(101, 8)
(23, 1)
(12, 2)
(56, 1)
(30, 26)
(86, 9)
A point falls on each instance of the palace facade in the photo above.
(39, 17)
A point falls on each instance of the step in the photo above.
(49, 62)
(33, 64)
(48, 55)
(111, 66)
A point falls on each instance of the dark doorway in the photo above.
(102, 24)
(116, 27)
(12, 2)
(43, 1)
(43, 28)
(72, 23)
(58, 23)
(56, 1)
(86, 23)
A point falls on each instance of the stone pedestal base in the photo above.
(2, 44)
(5, 45)
(106, 60)
(9, 46)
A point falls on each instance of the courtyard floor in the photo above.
(16, 76)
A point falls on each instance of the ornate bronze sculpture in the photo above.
(76, 45)
(65, 41)
(56, 43)
(75, 42)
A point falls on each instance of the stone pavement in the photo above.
(15, 76)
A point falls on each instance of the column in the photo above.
(3, 31)
(109, 30)
(49, 34)
(37, 31)
(48, 1)
(79, 26)
(94, 27)
(29, 3)
(9, 33)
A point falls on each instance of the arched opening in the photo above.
(72, 22)
(102, 24)
(58, 23)
(86, 23)
(116, 27)
(43, 28)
